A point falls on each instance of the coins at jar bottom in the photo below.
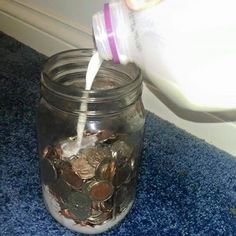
(48, 171)
(79, 204)
(100, 191)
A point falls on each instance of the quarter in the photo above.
(79, 204)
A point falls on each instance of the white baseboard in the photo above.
(49, 35)
(41, 31)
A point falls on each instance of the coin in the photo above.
(121, 151)
(100, 218)
(71, 178)
(122, 175)
(106, 170)
(79, 204)
(81, 166)
(48, 171)
(104, 135)
(102, 206)
(60, 190)
(100, 191)
(96, 154)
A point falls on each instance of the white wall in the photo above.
(50, 26)
(74, 12)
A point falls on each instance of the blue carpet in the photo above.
(186, 186)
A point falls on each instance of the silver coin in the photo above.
(79, 204)
(96, 154)
(121, 151)
(81, 166)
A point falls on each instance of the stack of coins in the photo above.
(95, 185)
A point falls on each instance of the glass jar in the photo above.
(89, 141)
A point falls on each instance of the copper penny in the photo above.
(104, 135)
(100, 191)
(71, 178)
(106, 170)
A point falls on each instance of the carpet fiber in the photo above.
(186, 186)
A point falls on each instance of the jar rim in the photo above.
(62, 90)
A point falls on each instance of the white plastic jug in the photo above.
(187, 48)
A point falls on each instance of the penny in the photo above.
(104, 135)
(79, 204)
(121, 150)
(48, 171)
(106, 170)
(122, 175)
(71, 178)
(100, 191)
(81, 166)
(96, 154)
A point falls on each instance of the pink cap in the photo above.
(110, 33)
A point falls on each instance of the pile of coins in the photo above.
(95, 185)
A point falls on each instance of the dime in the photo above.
(96, 154)
(100, 191)
(121, 151)
(81, 166)
(79, 204)
(106, 170)
(48, 171)
(71, 178)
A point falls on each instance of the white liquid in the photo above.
(93, 68)
(71, 148)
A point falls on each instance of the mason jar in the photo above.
(89, 141)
